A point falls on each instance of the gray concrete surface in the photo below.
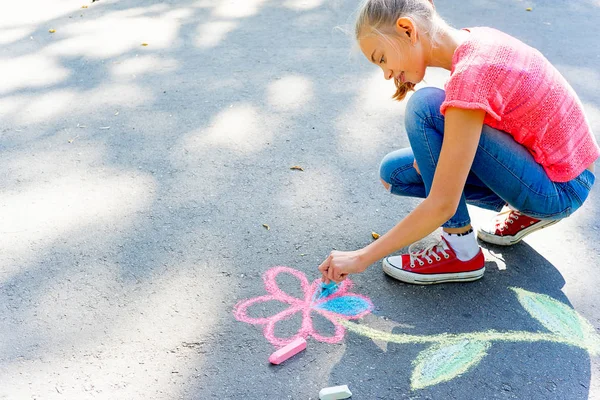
(137, 179)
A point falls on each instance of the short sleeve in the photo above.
(475, 84)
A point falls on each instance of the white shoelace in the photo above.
(511, 218)
(427, 253)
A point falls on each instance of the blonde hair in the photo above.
(381, 16)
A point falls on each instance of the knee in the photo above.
(424, 103)
(386, 169)
(392, 164)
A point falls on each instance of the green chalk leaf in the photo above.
(555, 316)
(446, 360)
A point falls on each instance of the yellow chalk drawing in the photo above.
(451, 355)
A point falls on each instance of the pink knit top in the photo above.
(525, 96)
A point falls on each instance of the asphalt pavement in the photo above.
(160, 161)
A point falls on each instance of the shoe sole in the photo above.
(510, 240)
(430, 279)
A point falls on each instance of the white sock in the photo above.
(465, 246)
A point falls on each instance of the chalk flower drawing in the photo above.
(339, 306)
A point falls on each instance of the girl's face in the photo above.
(401, 59)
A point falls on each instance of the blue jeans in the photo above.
(503, 171)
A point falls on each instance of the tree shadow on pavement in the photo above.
(511, 369)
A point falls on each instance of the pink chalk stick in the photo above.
(288, 351)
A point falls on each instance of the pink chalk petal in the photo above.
(241, 310)
(272, 287)
(269, 330)
(314, 290)
(336, 338)
(343, 287)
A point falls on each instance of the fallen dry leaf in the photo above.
(267, 226)
(84, 6)
(144, 44)
(375, 235)
(528, 9)
(52, 30)
(297, 167)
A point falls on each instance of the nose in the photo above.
(387, 74)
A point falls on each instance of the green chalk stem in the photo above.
(488, 336)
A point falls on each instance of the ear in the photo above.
(405, 27)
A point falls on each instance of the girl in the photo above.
(508, 130)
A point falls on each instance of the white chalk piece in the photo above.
(288, 351)
(335, 393)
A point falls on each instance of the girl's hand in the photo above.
(341, 263)
(416, 167)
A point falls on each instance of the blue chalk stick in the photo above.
(328, 289)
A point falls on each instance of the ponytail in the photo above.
(402, 89)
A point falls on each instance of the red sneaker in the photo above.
(436, 264)
(510, 226)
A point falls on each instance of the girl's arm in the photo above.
(462, 131)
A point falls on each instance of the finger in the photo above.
(325, 263)
(331, 273)
(324, 277)
(339, 275)
(324, 267)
